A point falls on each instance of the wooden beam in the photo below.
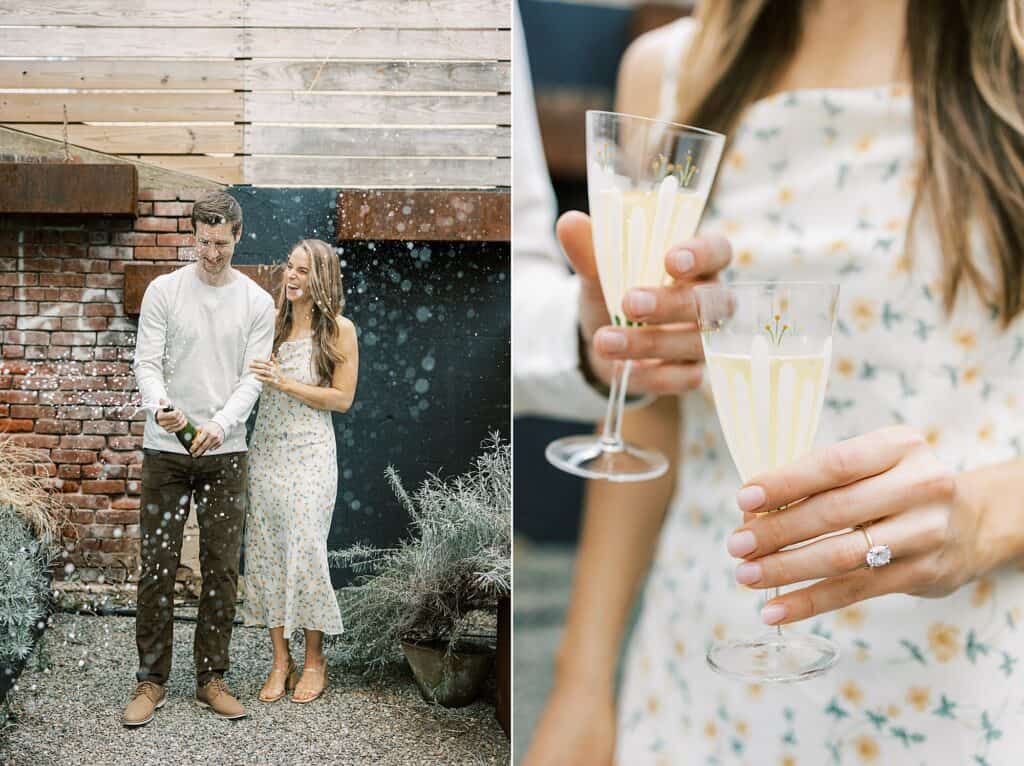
(360, 109)
(137, 277)
(121, 107)
(129, 42)
(467, 216)
(263, 74)
(198, 138)
(122, 74)
(115, 13)
(403, 14)
(377, 171)
(382, 44)
(50, 187)
(324, 140)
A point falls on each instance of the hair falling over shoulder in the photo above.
(967, 81)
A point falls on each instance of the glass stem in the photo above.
(611, 438)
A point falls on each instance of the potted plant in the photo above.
(420, 598)
(29, 523)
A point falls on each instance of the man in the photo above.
(199, 329)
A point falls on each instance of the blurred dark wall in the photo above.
(433, 323)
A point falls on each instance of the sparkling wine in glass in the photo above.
(647, 183)
(768, 349)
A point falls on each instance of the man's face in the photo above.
(215, 244)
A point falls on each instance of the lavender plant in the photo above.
(457, 560)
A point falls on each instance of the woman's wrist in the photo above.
(993, 496)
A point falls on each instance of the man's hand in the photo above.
(172, 421)
(667, 351)
(209, 436)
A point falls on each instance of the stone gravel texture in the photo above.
(68, 711)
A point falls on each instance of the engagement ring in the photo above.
(877, 555)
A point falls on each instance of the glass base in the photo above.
(589, 457)
(774, 657)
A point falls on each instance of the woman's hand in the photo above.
(668, 349)
(268, 372)
(577, 728)
(889, 481)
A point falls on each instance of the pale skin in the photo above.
(336, 397)
(945, 529)
(215, 246)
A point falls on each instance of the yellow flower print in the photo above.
(971, 375)
(865, 142)
(933, 436)
(851, 617)
(944, 641)
(865, 313)
(679, 648)
(862, 654)
(982, 591)
(892, 711)
(785, 195)
(718, 632)
(710, 730)
(845, 366)
(653, 705)
(985, 433)
(788, 760)
(754, 691)
(695, 451)
(917, 698)
(645, 663)
(901, 265)
(852, 692)
(745, 257)
(867, 749)
(838, 246)
(895, 224)
(737, 160)
(742, 728)
(731, 228)
(966, 339)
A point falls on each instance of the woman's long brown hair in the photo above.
(967, 80)
(325, 288)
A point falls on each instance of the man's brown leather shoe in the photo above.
(216, 696)
(148, 697)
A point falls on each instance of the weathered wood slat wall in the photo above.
(410, 93)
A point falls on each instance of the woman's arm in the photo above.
(621, 524)
(336, 397)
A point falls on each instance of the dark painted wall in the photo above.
(433, 328)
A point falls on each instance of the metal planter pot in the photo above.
(451, 680)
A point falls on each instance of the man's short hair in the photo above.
(216, 208)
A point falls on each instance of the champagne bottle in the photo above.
(187, 434)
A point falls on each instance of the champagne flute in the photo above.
(768, 348)
(647, 183)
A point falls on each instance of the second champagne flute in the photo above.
(647, 184)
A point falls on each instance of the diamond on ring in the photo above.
(878, 556)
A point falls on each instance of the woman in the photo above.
(293, 477)
(880, 145)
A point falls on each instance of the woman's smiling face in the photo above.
(296, 275)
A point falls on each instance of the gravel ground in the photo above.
(69, 712)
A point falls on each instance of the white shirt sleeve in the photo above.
(259, 346)
(149, 347)
(546, 379)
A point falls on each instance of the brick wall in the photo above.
(66, 346)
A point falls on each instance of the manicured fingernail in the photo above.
(611, 341)
(748, 573)
(751, 498)
(641, 302)
(773, 613)
(741, 543)
(681, 261)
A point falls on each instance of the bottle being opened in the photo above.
(187, 434)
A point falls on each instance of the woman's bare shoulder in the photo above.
(642, 69)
